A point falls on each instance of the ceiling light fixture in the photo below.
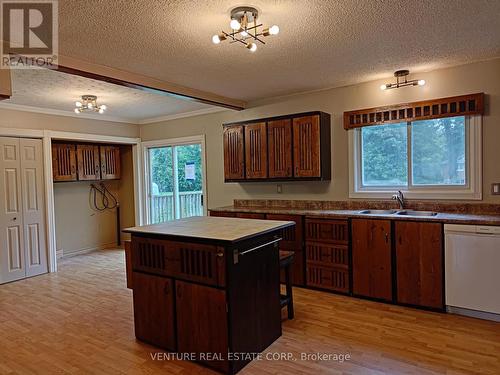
(245, 29)
(399, 74)
(89, 104)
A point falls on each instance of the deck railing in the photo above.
(162, 206)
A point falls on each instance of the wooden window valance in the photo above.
(463, 105)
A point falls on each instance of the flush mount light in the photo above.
(402, 81)
(245, 29)
(89, 104)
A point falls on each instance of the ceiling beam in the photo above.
(74, 66)
(5, 84)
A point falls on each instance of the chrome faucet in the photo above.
(400, 198)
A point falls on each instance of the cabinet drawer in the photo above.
(327, 255)
(188, 261)
(293, 237)
(331, 278)
(323, 230)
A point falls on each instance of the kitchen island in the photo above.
(207, 288)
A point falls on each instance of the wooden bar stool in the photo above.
(286, 261)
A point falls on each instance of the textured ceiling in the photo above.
(321, 43)
(54, 90)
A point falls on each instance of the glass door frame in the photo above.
(172, 142)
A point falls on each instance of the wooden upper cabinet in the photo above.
(372, 258)
(419, 263)
(110, 162)
(234, 160)
(64, 162)
(306, 146)
(279, 148)
(88, 162)
(279, 135)
(256, 150)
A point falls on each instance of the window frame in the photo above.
(473, 164)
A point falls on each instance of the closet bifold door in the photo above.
(63, 162)
(12, 258)
(110, 162)
(88, 162)
(35, 244)
(279, 135)
(256, 150)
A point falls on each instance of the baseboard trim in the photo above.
(473, 313)
(69, 254)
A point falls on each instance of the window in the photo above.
(437, 158)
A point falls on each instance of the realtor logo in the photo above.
(29, 34)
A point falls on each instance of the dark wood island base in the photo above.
(208, 288)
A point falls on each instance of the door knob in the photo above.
(14, 219)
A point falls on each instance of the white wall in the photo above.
(472, 78)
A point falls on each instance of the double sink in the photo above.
(398, 212)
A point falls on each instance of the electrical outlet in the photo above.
(279, 188)
(495, 188)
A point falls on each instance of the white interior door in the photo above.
(33, 206)
(12, 260)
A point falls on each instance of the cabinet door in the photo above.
(234, 160)
(306, 146)
(371, 258)
(279, 135)
(63, 162)
(202, 321)
(256, 150)
(419, 263)
(154, 310)
(88, 162)
(110, 162)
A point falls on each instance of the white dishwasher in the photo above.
(472, 274)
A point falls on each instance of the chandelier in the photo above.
(400, 74)
(245, 29)
(89, 104)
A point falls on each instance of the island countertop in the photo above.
(212, 228)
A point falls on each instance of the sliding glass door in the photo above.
(174, 184)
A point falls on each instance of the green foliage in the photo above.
(162, 175)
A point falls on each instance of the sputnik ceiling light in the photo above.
(245, 29)
(400, 74)
(89, 104)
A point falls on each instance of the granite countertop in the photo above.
(212, 228)
(443, 217)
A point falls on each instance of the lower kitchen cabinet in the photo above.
(202, 321)
(327, 254)
(372, 258)
(154, 310)
(419, 263)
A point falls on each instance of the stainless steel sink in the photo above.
(377, 212)
(416, 213)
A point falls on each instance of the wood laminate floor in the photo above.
(80, 321)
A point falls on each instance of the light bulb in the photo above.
(90, 105)
(78, 104)
(383, 87)
(252, 47)
(101, 111)
(103, 107)
(215, 39)
(244, 33)
(77, 110)
(421, 82)
(274, 30)
(235, 25)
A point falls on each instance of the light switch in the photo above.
(495, 189)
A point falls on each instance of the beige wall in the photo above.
(78, 227)
(478, 77)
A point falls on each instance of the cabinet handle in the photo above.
(387, 238)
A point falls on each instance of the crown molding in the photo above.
(58, 112)
(197, 112)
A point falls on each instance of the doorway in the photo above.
(174, 179)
